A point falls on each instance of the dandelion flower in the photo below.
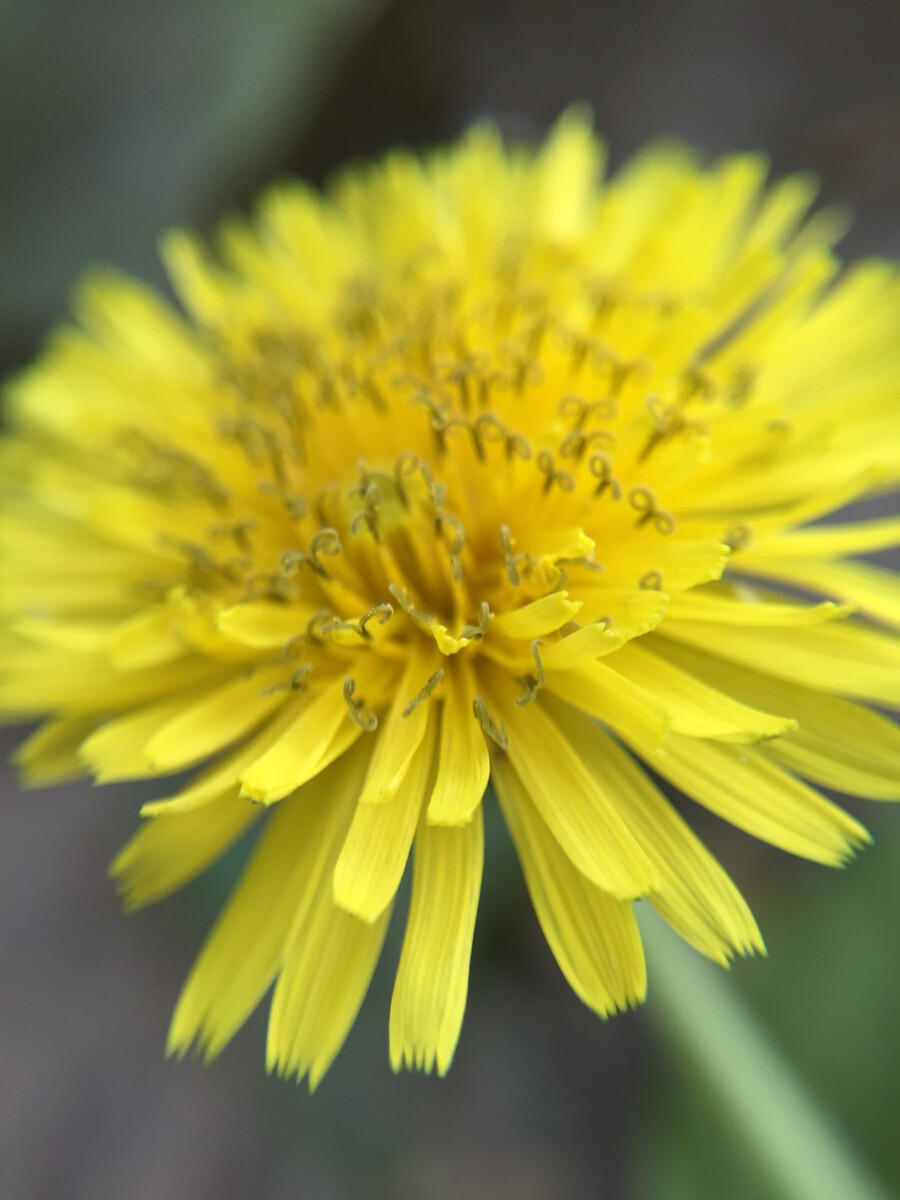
(472, 470)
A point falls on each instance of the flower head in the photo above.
(472, 469)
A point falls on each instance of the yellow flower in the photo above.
(471, 469)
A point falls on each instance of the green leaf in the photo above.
(796, 1148)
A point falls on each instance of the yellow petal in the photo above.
(593, 936)
(321, 725)
(782, 209)
(200, 284)
(695, 895)
(207, 725)
(742, 786)
(35, 685)
(77, 637)
(463, 764)
(580, 647)
(116, 749)
(668, 565)
(146, 640)
(845, 766)
(288, 869)
(196, 618)
(566, 175)
(72, 593)
(613, 699)
(629, 612)
(399, 735)
(843, 658)
(825, 541)
(263, 625)
(871, 589)
(224, 773)
(735, 610)
(322, 985)
(838, 743)
(373, 857)
(167, 852)
(51, 753)
(432, 980)
(326, 967)
(574, 803)
(692, 706)
(132, 318)
(556, 544)
(536, 619)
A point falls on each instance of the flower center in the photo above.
(433, 463)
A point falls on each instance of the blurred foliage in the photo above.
(830, 993)
(122, 119)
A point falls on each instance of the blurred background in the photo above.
(119, 119)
